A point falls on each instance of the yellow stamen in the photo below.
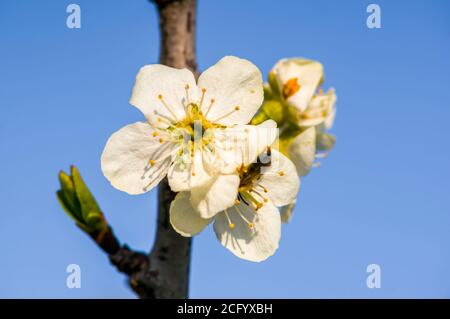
(290, 87)
(201, 99)
(237, 108)
(209, 107)
(281, 173)
(168, 108)
(230, 224)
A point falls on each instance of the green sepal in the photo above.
(274, 86)
(68, 197)
(89, 207)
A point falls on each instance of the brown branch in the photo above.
(168, 273)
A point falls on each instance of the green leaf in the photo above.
(79, 203)
(63, 202)
(89, 208)
(68, 196)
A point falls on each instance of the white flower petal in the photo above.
(215, 196)
(185, 174)
(287, 211)
(280, 179)
(162, 89)
(253, 244)
(183, 217)
(240, 144)
(236, 87)
(302, 151)
(324, 141)
(133, 160)
(321, 111)
(329, 121)
(306, 74)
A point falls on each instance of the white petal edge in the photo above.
(125, 160)
(162, 89)
(302, 151)
(287, 211)
(255, 244)
(321, 111)
(184, 218)
(236, 87)
(280, 179)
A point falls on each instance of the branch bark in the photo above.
(171, 253)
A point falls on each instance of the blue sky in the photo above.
(381, 197)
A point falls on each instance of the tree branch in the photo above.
(168, 273)
(165, 274)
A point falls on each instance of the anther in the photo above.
(236, 108)
(201, 99)
(290, 87)
(281, 173)
(230, 224)
(152, 162)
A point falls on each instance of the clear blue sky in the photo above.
(383, 196)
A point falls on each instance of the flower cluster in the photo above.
(294, 98)
(220, 149)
